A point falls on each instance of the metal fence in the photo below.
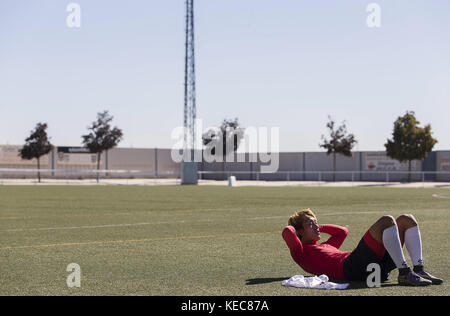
(88, 176)
(69, 176)
(329, 176)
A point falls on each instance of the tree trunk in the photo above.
(409, 170)
(99, 155)
(334, 167)
(106, 163)
(39, 168)
(223, 169)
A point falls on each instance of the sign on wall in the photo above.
(445, 164)
(75, 156)
(379, 161)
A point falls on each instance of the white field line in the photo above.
(106, 242)
(437, 196)
(169, 222)
(321, 215)
(97, 226)
(119, 214)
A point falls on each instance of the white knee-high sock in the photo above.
(413, 243)
(391, 241)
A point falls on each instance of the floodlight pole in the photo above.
(190, 110)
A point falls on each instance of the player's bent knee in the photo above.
(387, 221)
(383, 223)
(407, 219)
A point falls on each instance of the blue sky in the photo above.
(286, 64)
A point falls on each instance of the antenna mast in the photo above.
(189, 80)
(190, 168)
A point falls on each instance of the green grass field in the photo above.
(199, 240)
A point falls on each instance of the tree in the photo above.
(227, 138)
(339, 143)
(36, 146)
(409, 141)
(102, 137)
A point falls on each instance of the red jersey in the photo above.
(317, 259)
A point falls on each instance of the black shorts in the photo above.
(367, 252)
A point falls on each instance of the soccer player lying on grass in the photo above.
(382, 244)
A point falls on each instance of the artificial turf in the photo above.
(194, 240)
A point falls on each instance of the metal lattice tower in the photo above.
(190, 171)
(189, 80)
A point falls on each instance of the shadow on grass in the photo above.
(353, 285)
(378, 185)
(264, 280)
(363, 285)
